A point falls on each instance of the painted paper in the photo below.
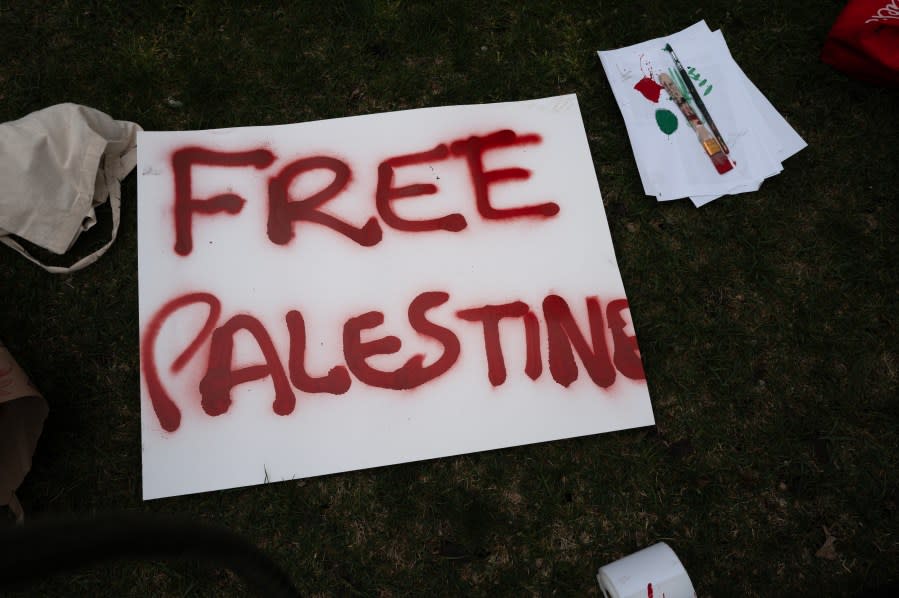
(670, 159)
(336, 295)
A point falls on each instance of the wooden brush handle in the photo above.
(681, 102)
(709, 142)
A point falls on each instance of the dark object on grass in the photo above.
(887, 591)
(36, 550)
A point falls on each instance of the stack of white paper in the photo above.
(670, 158)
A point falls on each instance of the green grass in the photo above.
(767, 322)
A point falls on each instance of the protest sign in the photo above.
(335, 295)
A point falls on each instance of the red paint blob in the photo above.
(649, 88)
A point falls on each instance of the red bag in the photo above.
(864, 42)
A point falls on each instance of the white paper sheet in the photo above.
(777, 134)
(673, 166)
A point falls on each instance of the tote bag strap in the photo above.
(114, 170)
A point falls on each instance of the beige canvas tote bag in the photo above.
(56, 166)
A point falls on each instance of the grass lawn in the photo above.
(767, 322)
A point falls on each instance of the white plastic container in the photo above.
(653, 572)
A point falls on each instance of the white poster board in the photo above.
(335, 295)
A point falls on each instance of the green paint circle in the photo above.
(666, 120)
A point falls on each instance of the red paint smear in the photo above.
(722, 164)
(649, 88)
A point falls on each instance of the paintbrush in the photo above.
(709, 143)
(699, 103)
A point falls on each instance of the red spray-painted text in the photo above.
(285, 212)
(564, 338)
